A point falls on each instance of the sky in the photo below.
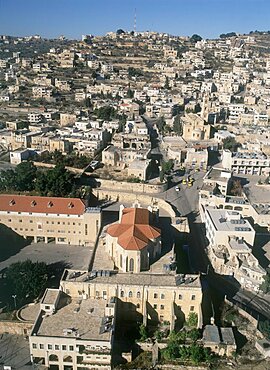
(72, 18)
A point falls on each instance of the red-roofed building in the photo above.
(133, 243)
(62, 220)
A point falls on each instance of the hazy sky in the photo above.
(72, 18)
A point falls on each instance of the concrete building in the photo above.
(63, 220)
(223, 225)
(246, 163)
(73, 333)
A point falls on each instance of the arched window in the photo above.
(121, 261)
(130, 294)
(127, 264)
(122, 294)
(138, 295)
(131, 264)
(53, 358)
(67, 359)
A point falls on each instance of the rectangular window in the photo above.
(64, 347)
(50, 346)
(191, 308)
(41, 346)
(162, 307)
(57, 347)
(180, 296)
(71, 348)
(193, 297)
(85, 229)
(34, 345)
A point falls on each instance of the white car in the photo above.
(177, 188)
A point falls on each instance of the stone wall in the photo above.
(126, 197)
(15, 327)
(133, 187)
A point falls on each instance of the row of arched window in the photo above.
(130, 294)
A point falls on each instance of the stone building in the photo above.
(133, 243)
(62, 220)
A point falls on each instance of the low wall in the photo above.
(126, 197)
(51, 165)
(133, 187)
(15, 327)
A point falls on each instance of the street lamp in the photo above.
(14, 297)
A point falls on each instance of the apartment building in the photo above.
(223, 225)
(231, 240)
(62, 220)
(246, 163)
(73, 333)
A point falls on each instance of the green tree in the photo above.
(231, 144)
(56, 182)
(177, 125)
(192, 319)
(25, 176)
(167, 85)
(197, 354)
(143, 332)
(167, 166)
(130, 93)
(161, 124)
(105, 113)
(195, 38)
(26, 279)
(194, 334)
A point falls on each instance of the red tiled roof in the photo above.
(26, 203)
(134, 232)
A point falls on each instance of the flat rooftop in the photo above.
(150, 279)
(81, 318)
(222, 222)
(219, 174)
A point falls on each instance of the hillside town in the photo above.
(135, 201)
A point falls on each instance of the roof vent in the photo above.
(12, 202)
(33, 203)
(70, 205)
(49, 204)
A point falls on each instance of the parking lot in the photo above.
(72, 256)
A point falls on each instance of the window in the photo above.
(180, 296)
(138, 305)
(138, 295)
(162, 296)
(20, 220)
(47, 307)
(71, 348)
(57, 347)
(122, 294)
(131, 265)
(162, 306)
(130, 294)
(49, 346)
(121, 260)
(191, 308)
(155, 306)
(64, 347)
(193, 297)
(155, 295)
(41, 346)
(34, 345)
(97, 293)
(31, 221)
